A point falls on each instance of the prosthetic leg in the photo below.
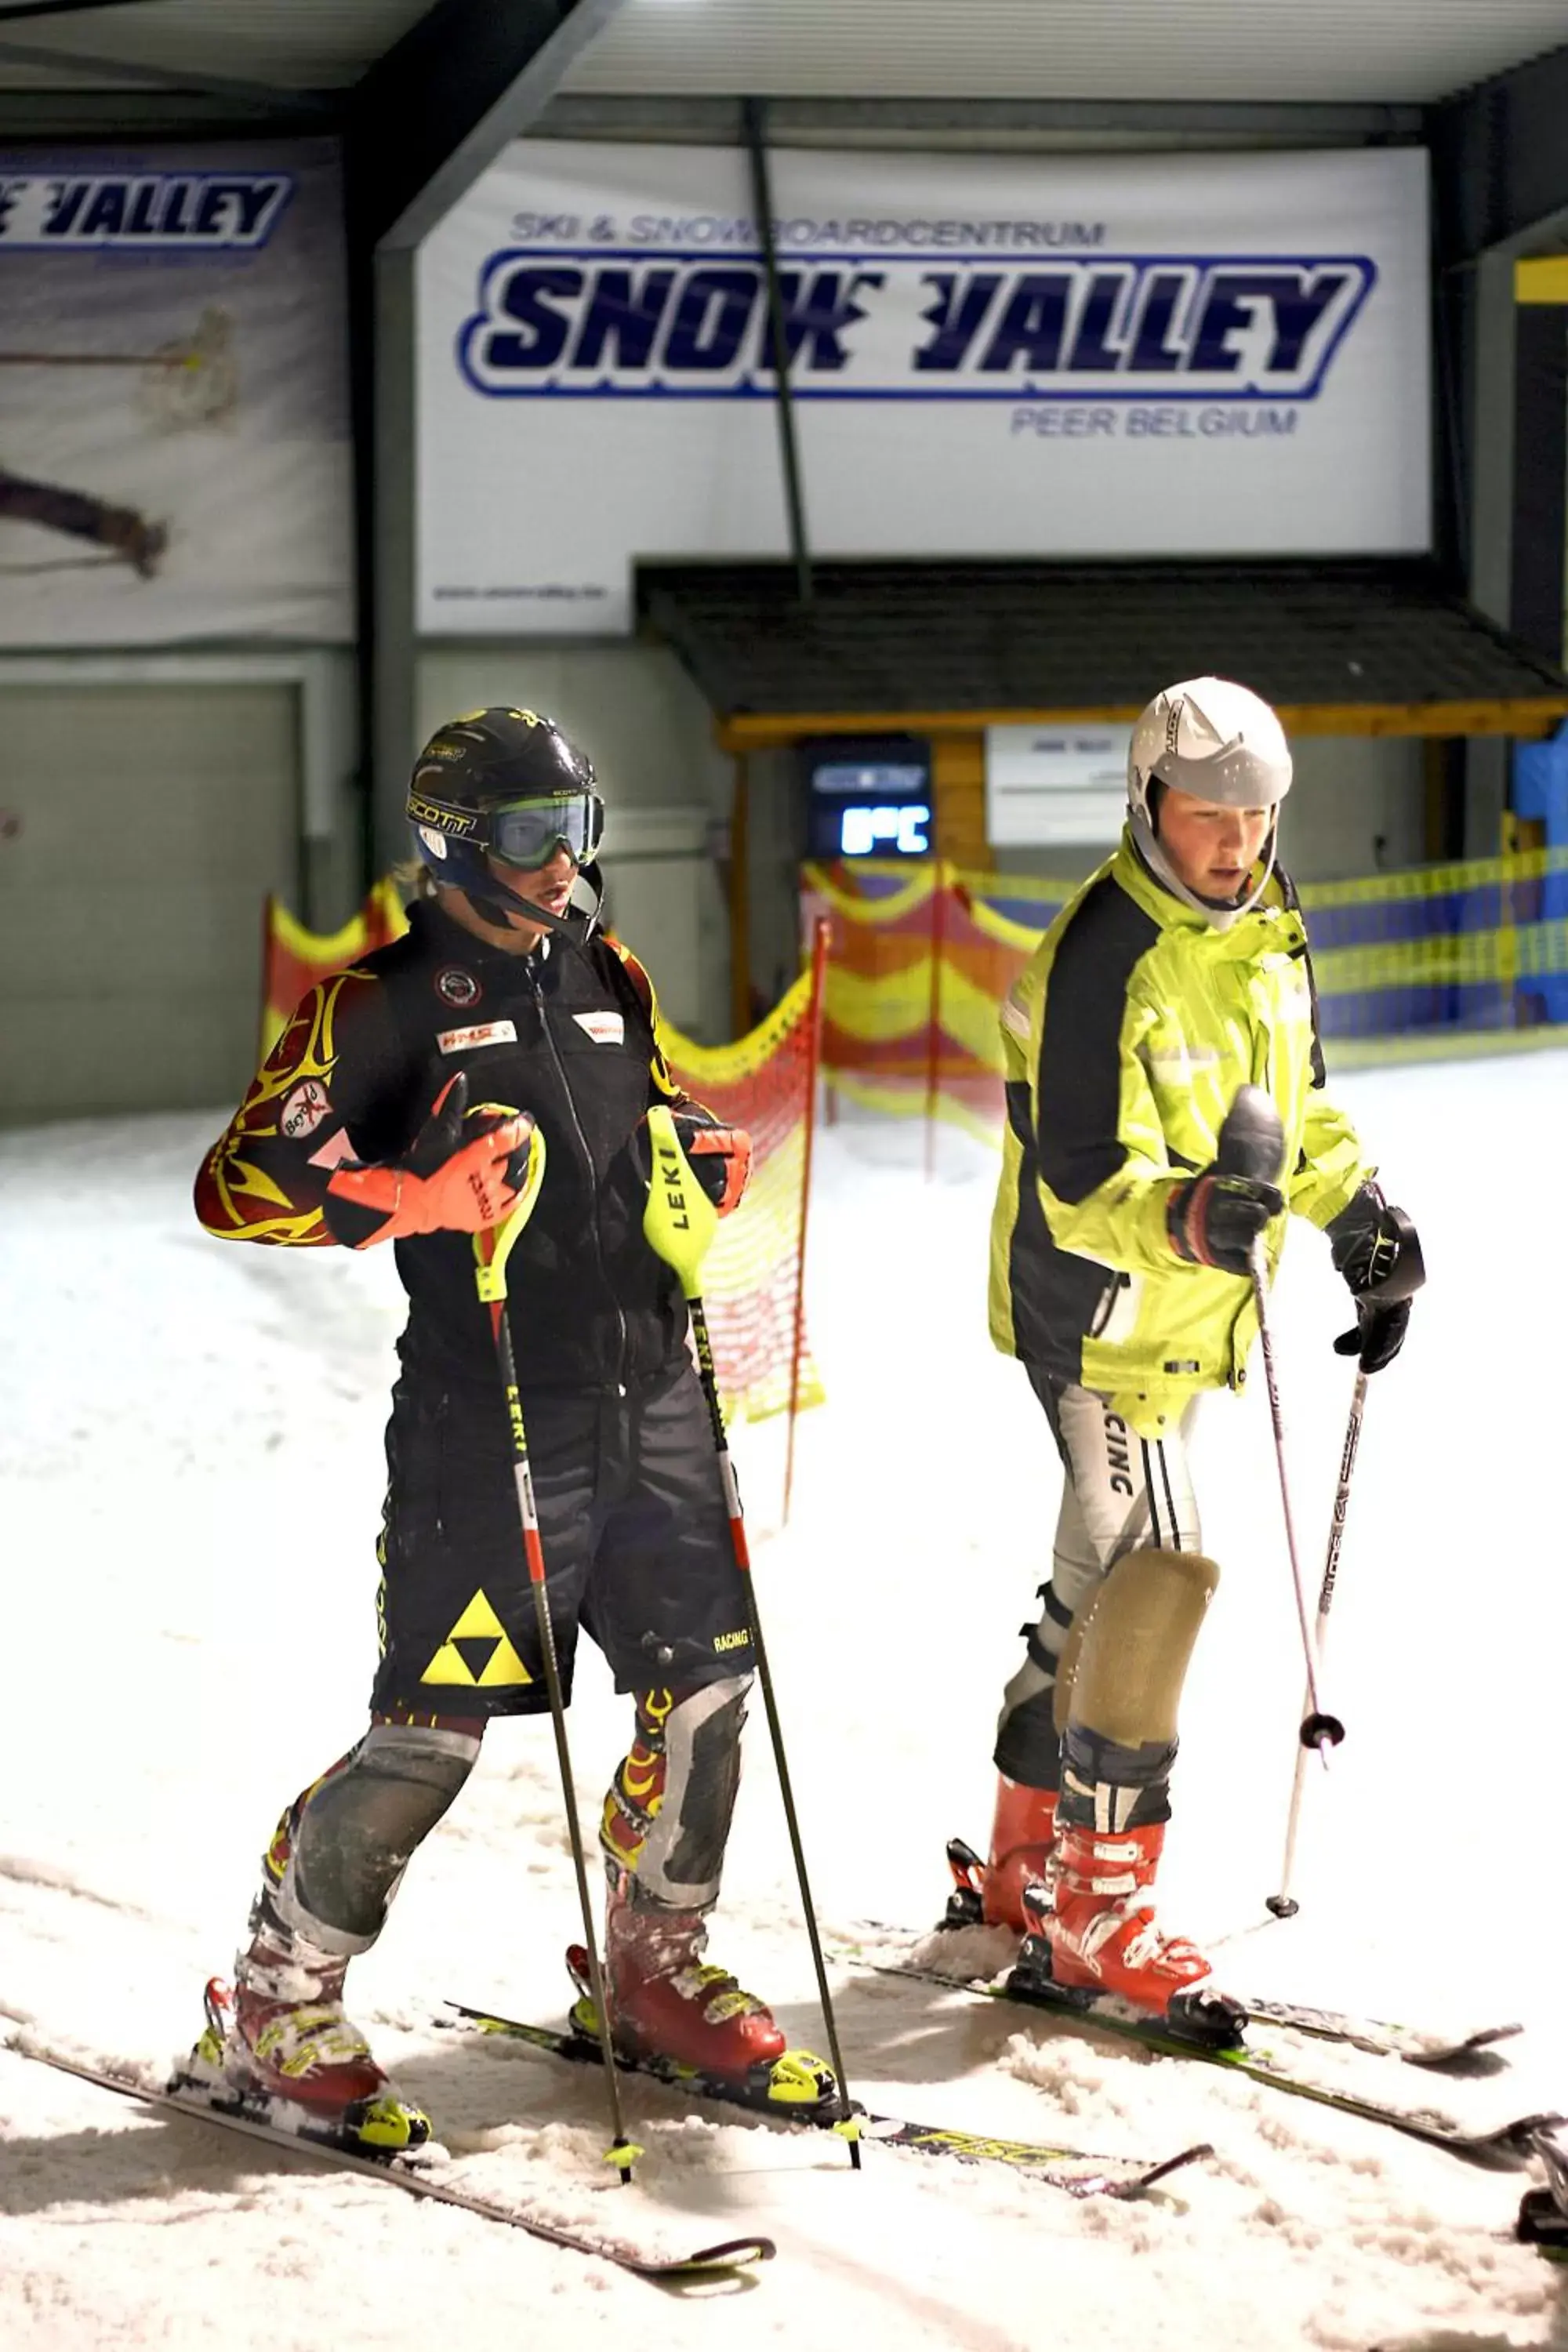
(1121, 1492)
(335, 1863)
(666, 1823)
(1117, 1695)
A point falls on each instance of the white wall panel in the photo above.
(140, 829)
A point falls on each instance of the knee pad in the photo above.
(358, 1827)
(667, 1826)
(1128, 1650)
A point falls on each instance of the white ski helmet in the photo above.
(1220, 742)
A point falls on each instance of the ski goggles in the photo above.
(521, 833)
(527, 833)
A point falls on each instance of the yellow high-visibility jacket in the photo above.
(1125, 1040)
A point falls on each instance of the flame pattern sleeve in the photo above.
(265, 1177)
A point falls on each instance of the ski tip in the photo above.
(1200, 2153)
(1514, 2143)
(729, 2254)
(1138, 2184)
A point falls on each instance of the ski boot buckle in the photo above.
(966, 1904)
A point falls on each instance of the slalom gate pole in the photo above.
(1252, 1144)
(820, 931)
(680, 1224)
(933, 1017)
(1284, 1905)
(491, 1251)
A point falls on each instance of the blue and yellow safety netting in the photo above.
(1430, 958)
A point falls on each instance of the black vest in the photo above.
(564, 1035)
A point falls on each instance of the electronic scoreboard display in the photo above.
(868, 798)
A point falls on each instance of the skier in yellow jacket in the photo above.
(1120, 1278)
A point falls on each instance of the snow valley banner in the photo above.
(174, 412)
(1140, 356)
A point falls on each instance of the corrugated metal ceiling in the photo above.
(1344, 50)
(1401, 51)
(283, 45)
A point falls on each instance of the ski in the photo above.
(1511, 2145)
(418, 2173)
(1439, 2053)
(1075, 2170)
(1473, 2053)
(1503, 2149)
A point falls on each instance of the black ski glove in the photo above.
(1377, 1250)
(1214, 1219)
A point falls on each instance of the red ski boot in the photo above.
(665, 1999)
(1100, 1934)
(670, 2010)
(1023, 1852)
(282, 2038)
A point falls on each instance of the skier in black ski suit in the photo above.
(400, 1105)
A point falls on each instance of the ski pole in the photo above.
(491, 1251)
(1284, 1905)
(1407, 1277)
(679, 1222)
(1252, 1144)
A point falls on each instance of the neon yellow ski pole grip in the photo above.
(680, 1221)
(493, 1249)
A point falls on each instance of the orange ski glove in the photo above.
(463, 1172)
(720, 1157)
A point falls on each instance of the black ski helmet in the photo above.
(503, 782)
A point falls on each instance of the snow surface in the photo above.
(190, 1477)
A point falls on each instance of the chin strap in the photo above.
(496, 907)
(1152, 856)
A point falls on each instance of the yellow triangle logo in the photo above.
(477, 1652)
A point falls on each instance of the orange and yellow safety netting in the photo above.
(750, 1283)
(918, 961)
(294, 960)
